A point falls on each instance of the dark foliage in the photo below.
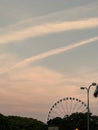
(20, 123)
(76, 120)
(4, 123)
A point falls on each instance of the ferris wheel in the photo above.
(65, 107)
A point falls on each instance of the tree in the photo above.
(74, 121)
(3, 123)
(20, 123)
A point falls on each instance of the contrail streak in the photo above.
(53, 52)
(47, 28)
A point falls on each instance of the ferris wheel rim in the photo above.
(71, 99)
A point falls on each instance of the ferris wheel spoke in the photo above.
(66, 103)
(65, 107)
(79, 108)
(75, 105)
(71, 106)
(56, 113)
(62, 105)
(60, 109)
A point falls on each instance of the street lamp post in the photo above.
(88, 89)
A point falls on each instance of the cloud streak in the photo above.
(53, 52)
(47, 28)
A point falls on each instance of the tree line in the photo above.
(20, 123)
(76, 121)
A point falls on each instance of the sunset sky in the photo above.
(48, 50)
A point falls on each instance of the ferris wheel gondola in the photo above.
(65, 107)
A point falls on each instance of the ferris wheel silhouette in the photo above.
(65, 107)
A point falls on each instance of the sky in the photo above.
(48, 50)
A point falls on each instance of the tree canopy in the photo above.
(20, 123)
(74, 121)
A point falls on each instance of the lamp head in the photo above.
(82, 87)
(94, 84)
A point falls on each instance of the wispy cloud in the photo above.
(89, 10)
(52, 52)
(47, 28)
(26, 86)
